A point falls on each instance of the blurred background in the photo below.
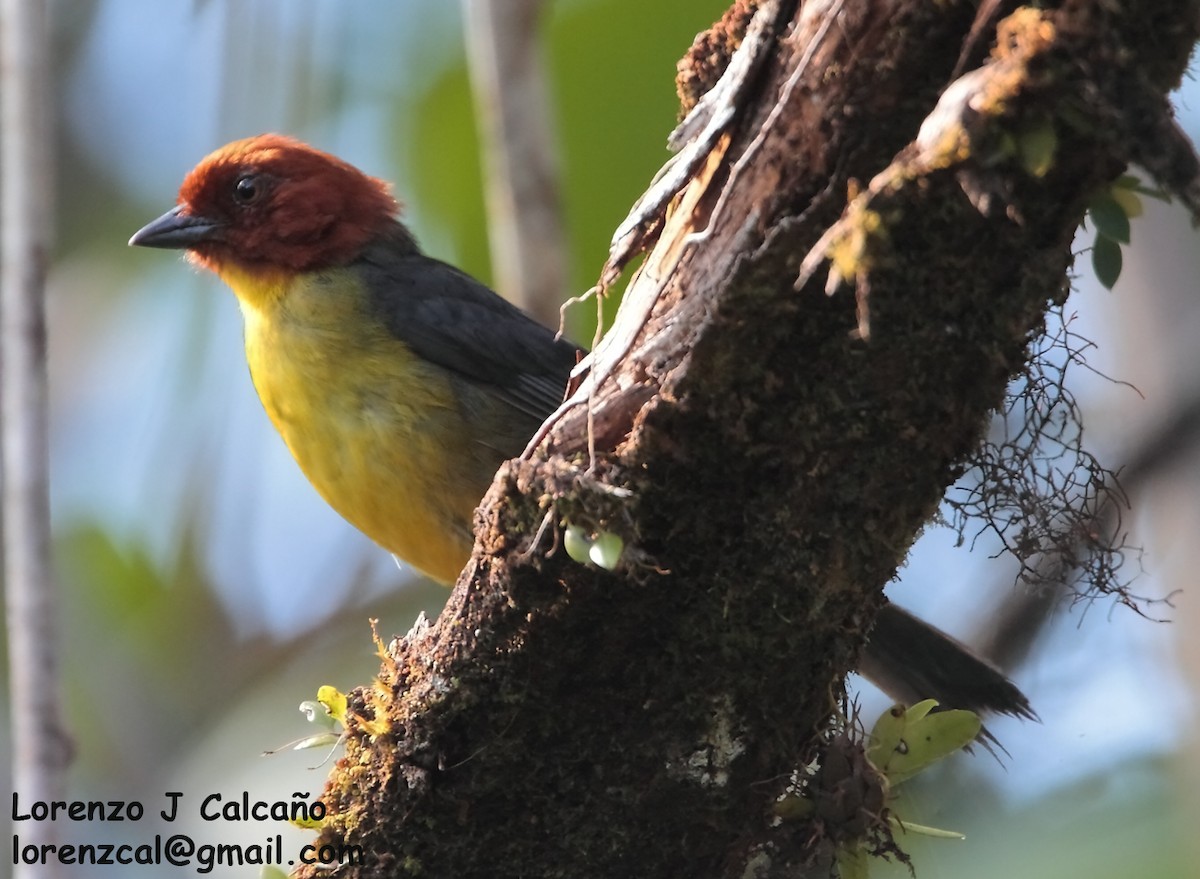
(207, 590)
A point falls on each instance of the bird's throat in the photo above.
(257, 289)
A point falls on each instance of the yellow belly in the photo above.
(378, 432)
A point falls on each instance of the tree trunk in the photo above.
(767, 452)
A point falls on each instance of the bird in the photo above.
(400, 383)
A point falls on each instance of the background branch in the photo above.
(40, 744)
(525, 217)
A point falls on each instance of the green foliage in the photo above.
(903, 743)
(611, 65)
(147, 648)
(1109, 217)
(907, 741)
(1110, 212)
(1107, 260)
(156, 619)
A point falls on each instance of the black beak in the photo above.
(176, 230)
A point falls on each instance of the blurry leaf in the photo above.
(1038, 143)
(158, 629)
(1106, 260)
(1131, 183)
(1109, 217)
(1128, 200)
(162, 616)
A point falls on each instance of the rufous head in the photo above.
(272, 203)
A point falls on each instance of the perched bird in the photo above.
(400, 384)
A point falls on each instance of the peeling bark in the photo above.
(768, 453)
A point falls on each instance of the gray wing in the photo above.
(453, 320)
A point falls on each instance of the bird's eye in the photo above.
(247, 189)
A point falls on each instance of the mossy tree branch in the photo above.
(768, 453)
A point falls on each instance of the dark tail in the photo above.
(911, 660)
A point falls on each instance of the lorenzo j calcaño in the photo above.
(400, 383)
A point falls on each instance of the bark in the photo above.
(768, 452)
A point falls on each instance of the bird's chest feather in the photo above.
(374, 428)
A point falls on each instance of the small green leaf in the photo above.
(886, 735)
(1129, 200)
(904, 742)
(1106, 260)
(931, 739)
(1131, 183)
(1110, 217)
(889, 730)
(577, 543)
(1038, 144)
(606, 550)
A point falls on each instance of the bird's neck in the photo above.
(257, 288)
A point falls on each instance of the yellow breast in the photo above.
(378, 431)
